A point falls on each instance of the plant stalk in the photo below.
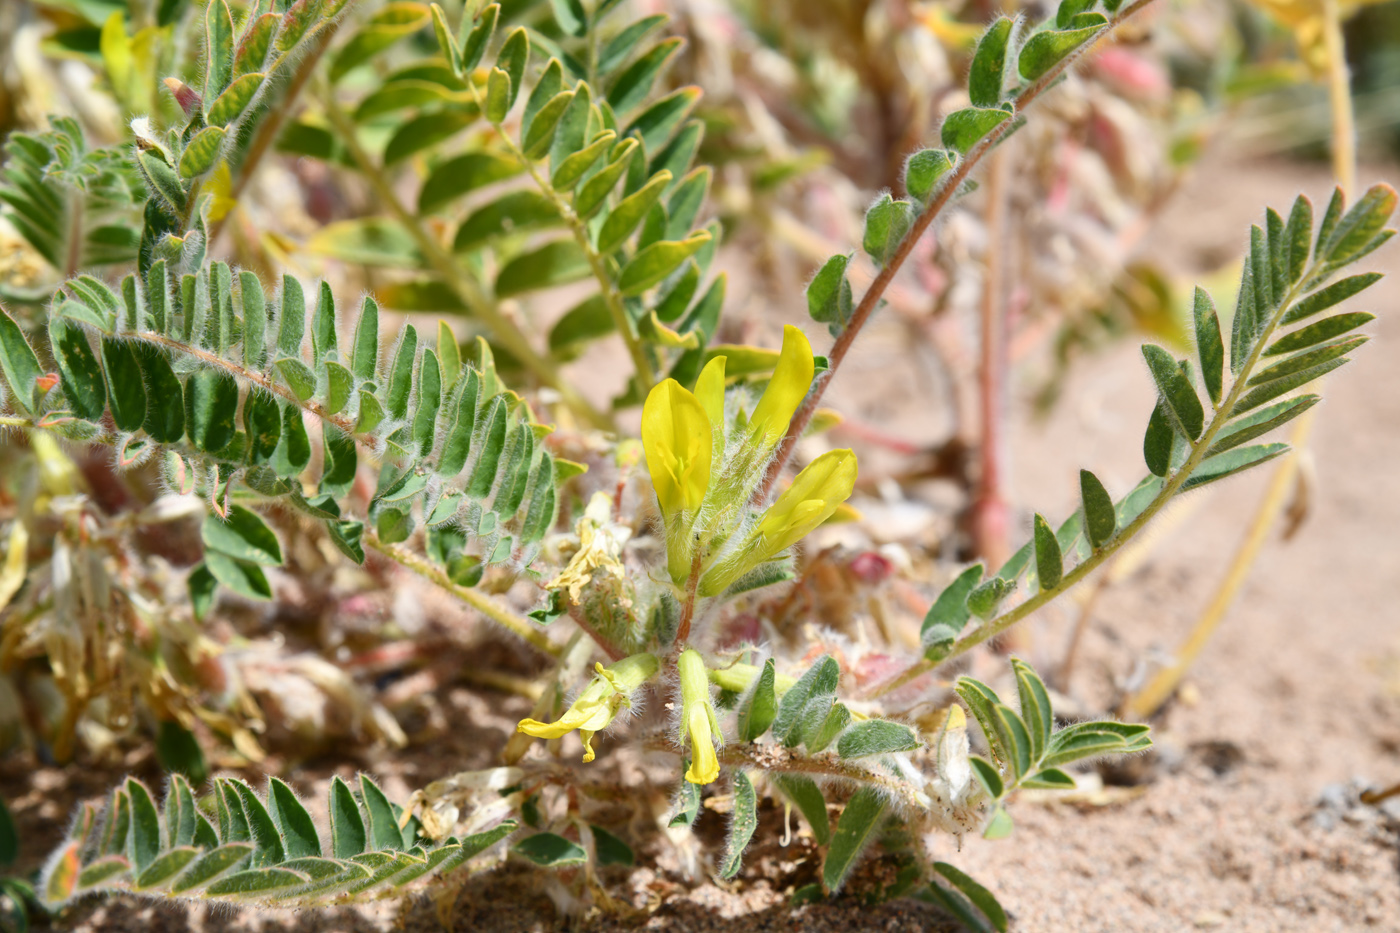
(478, 601)
(944, 196)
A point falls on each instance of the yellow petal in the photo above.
(709, 390)
(543, 730)
(791, 379)
(704, 763)
(678, 443)
(811, 499)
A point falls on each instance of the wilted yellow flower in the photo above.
(679, 445)
(791, 379)
(698, 722)
(599, 703)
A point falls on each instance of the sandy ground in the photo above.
(1244, 821)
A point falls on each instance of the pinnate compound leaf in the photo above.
(855, 830)
(742, 823)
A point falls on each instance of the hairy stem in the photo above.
(990, 516)
(946, 192)
(478, 601)
(505, 330)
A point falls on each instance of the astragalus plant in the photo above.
(541, 155)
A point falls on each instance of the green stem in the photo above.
(597, 262)
(1223, 414)
(478, 601)
(504, 329)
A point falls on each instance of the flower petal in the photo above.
(791, 379)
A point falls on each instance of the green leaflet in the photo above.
(964, 128)
(1049, 563)
(458, 176)
(633, 85)
(1100, 518)
(516, 212)
(79, 373)
(555, 263)
(854, 831)
(1047, 49)
(243, 535)
(987, 74)
(886, 224)
(743, 822)
(548, 850)
(126, 391)
(1182, 406)
(876, 737)
(949, 613)
(19, 364)
(760, 705)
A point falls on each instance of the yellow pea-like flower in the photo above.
(812, 498)
(698, 722)
(599, 703)
(791, 379)
(676, 435)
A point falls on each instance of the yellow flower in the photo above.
(698, 722)
(678, 442)
(791, 379)
(814, 496)
(599, 703)
(811, 499)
